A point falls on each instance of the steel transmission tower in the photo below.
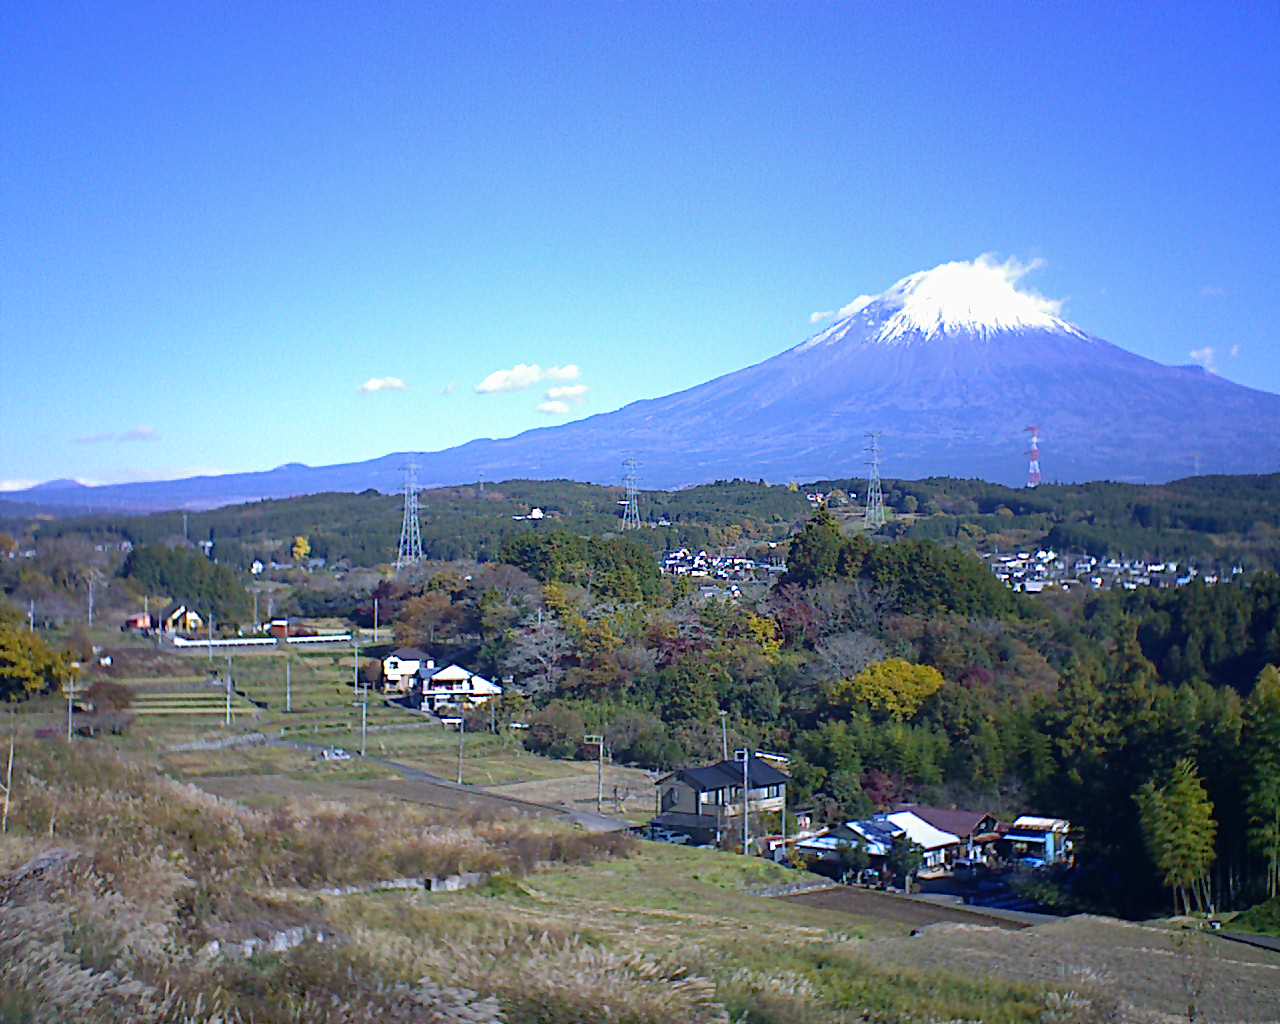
(410, 532)
(1033, 467)
(631, 512)
(874, 514)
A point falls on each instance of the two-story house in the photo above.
(401, 667)
(703, 803)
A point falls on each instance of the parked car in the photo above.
(335, 754)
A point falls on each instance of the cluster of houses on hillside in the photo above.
(701, 565)
(1032, 572)
(704, 806)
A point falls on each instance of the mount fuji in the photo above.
(949, 365)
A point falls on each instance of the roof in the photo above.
(729, 773)
(960, 823)
(408, 654)
(920, 831)
(1030, 821)
(453, 674)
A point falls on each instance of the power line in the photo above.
(874, 513)
(410, 552)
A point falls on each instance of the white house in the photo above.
(933, 841)
(456, 687)
(401, 667)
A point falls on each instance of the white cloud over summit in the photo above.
(523, 376)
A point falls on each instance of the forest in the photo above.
(889, 667)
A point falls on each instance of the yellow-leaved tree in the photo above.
(894, 686)
(301, 548)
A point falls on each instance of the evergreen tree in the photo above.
(1261, 744)
(1177, 822)
(814, 555)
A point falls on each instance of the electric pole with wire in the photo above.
(8, 779)
(598, 740)
(462, 735)
(745, 755)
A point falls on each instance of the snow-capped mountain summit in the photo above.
(977, 298)
(949, 365)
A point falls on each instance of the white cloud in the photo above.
(575, 392)
(856, 306)
(523, 376)
(133, 434)
(16, 485)
(1205, 357)
(1235, 351)
(552, 408)
(375, 384)
(449, 388)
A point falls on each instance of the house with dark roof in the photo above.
(401, 667)
(703, 803)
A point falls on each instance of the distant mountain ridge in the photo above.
(949, 365)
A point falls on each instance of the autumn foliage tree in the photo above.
(893, 686)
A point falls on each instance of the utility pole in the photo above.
(598, 740)
(355, 664)
(375, 620)
(228, 691)
(462, 733)
(364, 721)
(256, 623)
(724, 735)
(91, 575)
(71, 704)
(8, 779)
(211, 634)
(746, 790)
(288, 683)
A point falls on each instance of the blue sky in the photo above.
(218, 221)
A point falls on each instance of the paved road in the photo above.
(441, 792)
(1260, 941)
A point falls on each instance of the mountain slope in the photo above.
(950, 365)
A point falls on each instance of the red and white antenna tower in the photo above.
(1033, 467)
